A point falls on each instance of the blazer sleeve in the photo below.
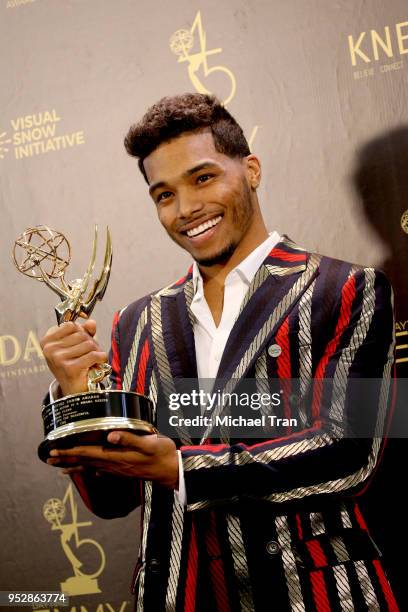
(319, 459)
(107, 495)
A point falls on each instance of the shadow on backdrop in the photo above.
(381, 181)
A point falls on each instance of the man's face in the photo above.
(203, 197)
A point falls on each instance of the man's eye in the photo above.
(163, 196)
(204, 178)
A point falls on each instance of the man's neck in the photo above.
(217, 274)
(214, 276)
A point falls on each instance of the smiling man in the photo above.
(238, 524)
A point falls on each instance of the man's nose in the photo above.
(188, 204)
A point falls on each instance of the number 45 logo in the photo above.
(54, 511)
(181, 43)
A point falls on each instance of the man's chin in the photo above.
(219, 258)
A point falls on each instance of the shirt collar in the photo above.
(248, 267)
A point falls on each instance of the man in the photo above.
(243, 524)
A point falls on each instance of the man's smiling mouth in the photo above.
(204, 227)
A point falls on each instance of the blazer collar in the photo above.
(285, 258)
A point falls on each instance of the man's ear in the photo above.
(253, 170)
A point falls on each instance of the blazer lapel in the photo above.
(276, 287)
(172, 339)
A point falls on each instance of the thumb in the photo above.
(90, 326)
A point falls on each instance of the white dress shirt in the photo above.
(209, 339)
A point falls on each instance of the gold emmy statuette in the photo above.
(83, 418)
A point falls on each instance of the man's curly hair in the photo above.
(173, 116)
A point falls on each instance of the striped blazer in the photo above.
(271, 523)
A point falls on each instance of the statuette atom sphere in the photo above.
(54, 510)
(42, 252)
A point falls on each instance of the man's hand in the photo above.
(150, 457)
(70, 350)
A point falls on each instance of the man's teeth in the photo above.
(203, 227)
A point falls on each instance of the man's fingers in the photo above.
(77, 337)
(85, 453)
(66, 353)
(90, 326)
(74, 470)
(78, 350)
(58, 332)
(98, 456)
(77, 464)
(147, 457)
(70, 351)
(144, 444)
(70, 453)
(56, 461)
(90, 359)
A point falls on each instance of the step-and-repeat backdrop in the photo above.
(320, 89)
